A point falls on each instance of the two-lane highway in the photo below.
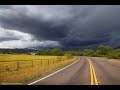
(108, 73)
(85, 71)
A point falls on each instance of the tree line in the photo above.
(101, 51)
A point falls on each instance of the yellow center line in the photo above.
(93, 76)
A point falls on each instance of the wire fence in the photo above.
(21, 64)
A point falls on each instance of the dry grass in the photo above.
(9, 57)
(10, 62)
(26, 72)
(115, 60)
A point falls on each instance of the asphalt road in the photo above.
(79, 73)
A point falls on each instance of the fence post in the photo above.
(48, 61)
(18, 65)
(32, 63)
(53, 61)
(41, 62)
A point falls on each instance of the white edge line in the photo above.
(53, 73)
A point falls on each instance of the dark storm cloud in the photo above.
(41, 29)
(93, 40)
(72, 26)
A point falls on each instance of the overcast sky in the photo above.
(68, 26)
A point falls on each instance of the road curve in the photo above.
(107, 73)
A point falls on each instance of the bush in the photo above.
(68, 55)
(59, 58)
(56, 52)
(97, 53)
(77, 53)
(88, 52)
(104, 50)
(114, 54)
(40, 52)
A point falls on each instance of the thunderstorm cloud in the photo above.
(68, 26)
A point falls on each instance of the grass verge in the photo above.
(26, 74)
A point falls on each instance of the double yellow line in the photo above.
(93, 77)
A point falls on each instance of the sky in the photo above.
(63, 26)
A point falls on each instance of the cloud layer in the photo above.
(69, 26)
(17, 39)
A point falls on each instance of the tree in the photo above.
(114, 54)
(77, 53)
(40, 52)
(88, 52)
(56, 52)
(68, 55)
(80, 53)
(97, 53)
(48, 52)
(104, 50)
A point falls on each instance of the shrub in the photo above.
(104, 50)
(114, 54)
(68, 55)
(88, 52)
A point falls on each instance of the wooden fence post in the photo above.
(48, 62)
(53, 61)
(18, 65)
(32, 63)
(41, 62)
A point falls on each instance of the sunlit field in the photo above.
(22, 68)
(10, 57)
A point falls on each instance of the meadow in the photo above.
(21, 68)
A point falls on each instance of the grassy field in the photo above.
(9, 57)
(29, 66)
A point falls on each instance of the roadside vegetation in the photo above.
(21, 67)
(100, 51)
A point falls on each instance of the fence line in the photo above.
(18, 65)
(40, 62)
